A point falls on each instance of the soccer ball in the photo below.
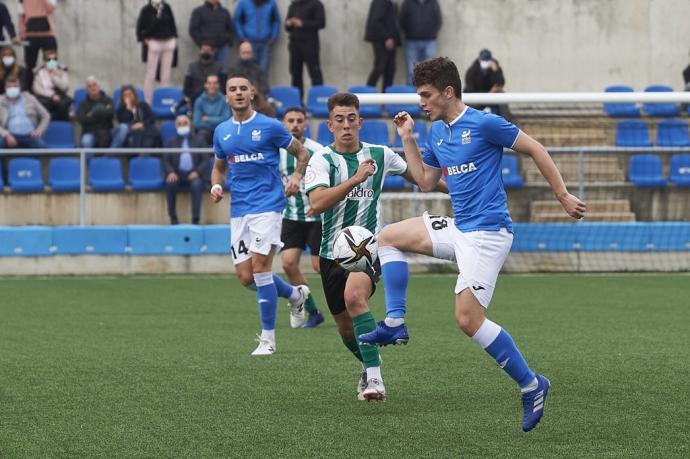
(355, 248)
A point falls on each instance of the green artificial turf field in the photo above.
(160, 366)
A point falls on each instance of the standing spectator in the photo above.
(210, 109)
(258, 21)
(51, 86)
(304, 20)
(246, 65)
(212, 23)
(157, 31)
(36, 27)
(6, 24)
(138, 117)
(10, 67)
(23, 119)
(686, 77)
(383, 34)
(198, 71)
(485, 74)
(95, 115)
(185, 169)
(420, 20)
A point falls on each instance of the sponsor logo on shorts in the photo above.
(246, 158)
(361, 194)
(460, 169)
(477, 288)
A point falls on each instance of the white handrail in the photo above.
(537, 98)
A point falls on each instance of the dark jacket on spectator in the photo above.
(143, 114)
(382, 22)
(96, 114)
(478, 81)
(18, 71)
(200, 162)
(254, 72)
(211, 24)
(313, 17)
(420, 19)
(149, 137)
(6, 23)
(149, 25)
(196, 77)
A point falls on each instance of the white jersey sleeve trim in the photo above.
(516, 137)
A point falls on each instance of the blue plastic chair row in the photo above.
(631, 110)
(646, 171)
(635, 133)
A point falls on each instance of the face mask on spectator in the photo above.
(206, 56)
(52, 64)
(8, 61)
(183, 131)
(12, 92)
(484, 65)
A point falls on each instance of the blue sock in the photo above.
(284, 289)
(500, 345)
(395, 278)
(267, 297)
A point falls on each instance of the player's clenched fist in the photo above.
(216, 193)
(365, 170)
(573, 206)
(292, 186)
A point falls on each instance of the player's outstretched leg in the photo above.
(267, 298)
(297, 297)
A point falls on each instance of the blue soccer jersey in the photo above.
(469, 152)
(252, 150)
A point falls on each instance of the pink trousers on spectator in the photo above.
(159, 51)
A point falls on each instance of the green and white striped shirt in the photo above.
(297, 205)
(361, 207)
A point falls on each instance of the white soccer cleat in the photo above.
(297, 316)
(265, 347)
(362, 385)
(374, 390)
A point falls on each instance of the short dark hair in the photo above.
(342, 99)
(213, 75)
(439, 72)
(239, 75)
(296, 109)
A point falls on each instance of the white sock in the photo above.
(530, 387)
(393, 321)
(294, 296)
(269, 335)
(374, 372)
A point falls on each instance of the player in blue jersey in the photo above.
(249, 143)
(465, 147)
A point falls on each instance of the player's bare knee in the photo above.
(246, 277)
(291, 268)
(386, 237)
(356, 302)
(468, 322)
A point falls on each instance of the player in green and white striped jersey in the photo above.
(299, 227)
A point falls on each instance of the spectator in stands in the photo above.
(383, 34)
(7, 24)
(10, 67)
(246, 65)
(486, 75)
(421, 21)
(304, 20)
(212, 23)
(23, 119)
(686, 77)
(157, 31)
(95, 115)
(198, 71)
(138, 117)
(51, 85)
(37, 28)
(185, 169)
(258, 22)
(210, 109)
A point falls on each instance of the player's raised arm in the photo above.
(527, 145)
(322, 198)
(425, 177)
(296, 149)
(218, 174)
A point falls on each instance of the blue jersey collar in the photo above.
(234, 121)
(448, 125)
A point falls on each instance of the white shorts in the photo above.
(479, 254)
(257, 233)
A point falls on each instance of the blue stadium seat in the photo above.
(63, 174)
(105, 174)
(420, 134)
(165, 240)
(392, 109)
(544, 237)
(116, 95)
(613, 237)
(323, 135)
(621, 110)
(286, 97)
(217, 239)
(375, 131)
(79, 96)
(632, 133)
(672, 133)
(25, 176)
(164, 100)
(393, 183)
(660, 109)
(2, 183)
(367, 111)
(680, 170)
(96, 240)
(26, 240)
(145, 173)
(317, 100)
(168, 130)
(510, 170)
(646, 171)
(671, 236)
(59, 134)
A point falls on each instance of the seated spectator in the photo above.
(138, 117)
(185, 169)
(10, 67)
(210, 109)
(246, 65)
(198, 71)
(23, 119)
(51, 85)
(95, 115)
(485, 75)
